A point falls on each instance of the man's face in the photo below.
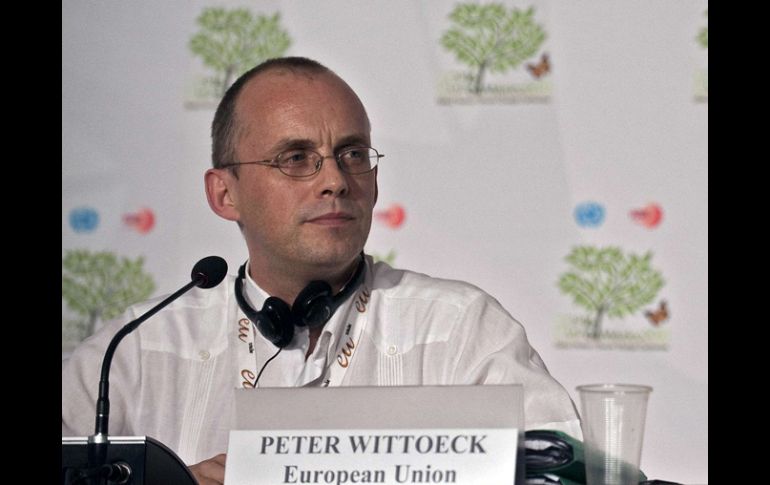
(318, 222)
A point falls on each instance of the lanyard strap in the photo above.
(349, 340)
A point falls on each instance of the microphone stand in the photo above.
(99, 441)
(103, 402)
(207, 273)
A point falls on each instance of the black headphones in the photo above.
(314, 306)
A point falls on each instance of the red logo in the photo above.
(393, 217)
(648, 216)
(142, 221)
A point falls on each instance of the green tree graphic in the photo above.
(703, 34)
(389, 258)
(232, 41)
(607, 282)
(101, 286)
(489, 37)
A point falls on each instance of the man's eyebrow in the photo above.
(284, 144)
(352, 140)
(292, 143)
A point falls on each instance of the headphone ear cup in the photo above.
(314, 304)
(276, 322)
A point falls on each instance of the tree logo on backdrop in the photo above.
(656, 316)
(389, 258)
(617, 293)
(491, 41)
(229, 42)
(703, 34)
(702, 73)
(98, 286)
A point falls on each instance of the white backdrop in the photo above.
(488, 189)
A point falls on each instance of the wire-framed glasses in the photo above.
(304, 162)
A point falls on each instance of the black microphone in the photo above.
(207, 273)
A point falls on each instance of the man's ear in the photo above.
(219, 192)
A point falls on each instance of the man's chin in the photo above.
(333, 257)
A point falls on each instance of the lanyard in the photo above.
(338, 364)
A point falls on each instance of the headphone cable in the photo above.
(265, 365)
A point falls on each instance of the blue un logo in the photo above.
(84, 219)
(589, 214)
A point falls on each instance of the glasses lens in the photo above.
(358, 160)
(297, 163)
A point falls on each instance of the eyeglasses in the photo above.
(304, 162)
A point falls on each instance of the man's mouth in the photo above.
(332, 219)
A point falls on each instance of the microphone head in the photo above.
(209, 271)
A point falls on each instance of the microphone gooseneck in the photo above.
(207, 273)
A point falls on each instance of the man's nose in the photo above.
(331, 179)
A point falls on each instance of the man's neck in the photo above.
(286, 284)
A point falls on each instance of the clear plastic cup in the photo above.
(612, 419)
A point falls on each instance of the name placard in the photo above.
(392, 456)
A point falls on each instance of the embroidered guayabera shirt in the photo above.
(172, 378)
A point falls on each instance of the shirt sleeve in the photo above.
(492, 348)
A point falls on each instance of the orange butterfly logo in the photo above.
(659, 315)
(541, 68)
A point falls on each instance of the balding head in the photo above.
(227, 127)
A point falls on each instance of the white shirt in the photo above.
(172, 378)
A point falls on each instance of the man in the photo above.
(294, 167)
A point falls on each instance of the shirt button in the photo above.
(204, 355)
(392, 350)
